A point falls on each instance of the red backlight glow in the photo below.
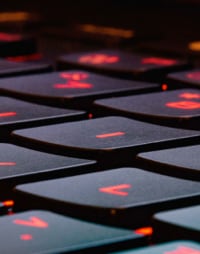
(74, 75)
(158, 61)
(144, 231)
(99, 59)
(7, 114)
(190, 95)
(193, 75)
(184, 105)
(26, 237)
(9, 37)
(73, 85)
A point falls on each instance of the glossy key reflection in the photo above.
(122, 64)
(180, 108)
(103, 138)
(123, 196)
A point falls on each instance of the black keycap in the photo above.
(70, 87)
(18, 164)
(179, 108)
(180, 161)
(13, 44)
(10, 68)
(190, 78)
(124, 196)
(181, 223)
(175, 247)
(46, 232)
(16, 113)
(122, 64)
(103, 138)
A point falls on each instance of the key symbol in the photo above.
(32, 222)
(116, 189)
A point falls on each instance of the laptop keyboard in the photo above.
(99, 148)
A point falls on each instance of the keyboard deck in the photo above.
(99, 138)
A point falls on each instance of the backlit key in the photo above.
(16, 113)
(175, 247)
(18, 164)
(122, 64)
(180, 161)
(189, 78)
(179, 108)
(183, 223)
(46, 232)
(123, 196)
(70, 87)
(103, 138)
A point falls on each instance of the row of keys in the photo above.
(46, 232)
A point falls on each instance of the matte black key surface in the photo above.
(15, 113)
(179, 107)
(124, 196)
(175, 247)
(180, 161)
(181, 223)
(103, 137)
(69, 86)
(190, 78)
(46, 232)
(121, 63)
(10, 68)
(12, 44)
(18, 164)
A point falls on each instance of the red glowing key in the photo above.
(190, 95)
(26, 237)
(99, 59)
(8, 114)
(116, 189)
(158, 61)
(184, 105)
(193, 75)
(111, 134)
(183, 250)
(32, 222)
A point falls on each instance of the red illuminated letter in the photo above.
(32, 222)
(111, 134)
(116, 189)
(190, 95)
(99, 59)
(183, 105)
(158, 61)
